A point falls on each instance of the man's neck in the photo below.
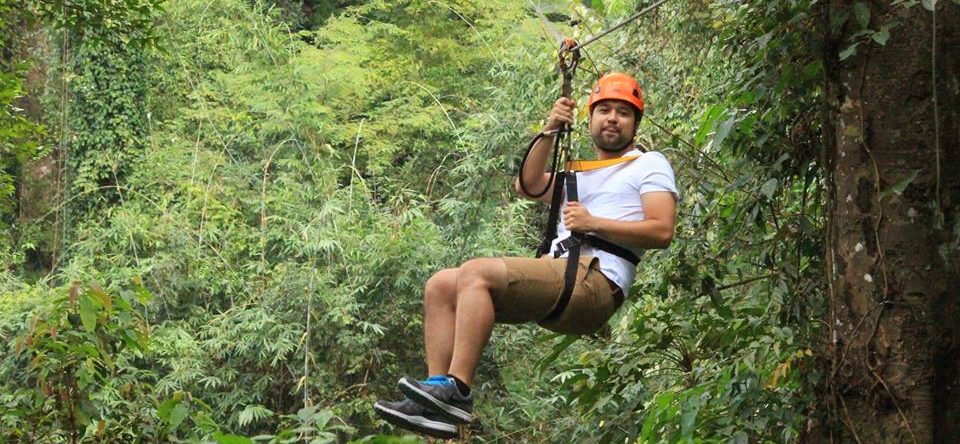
(604, 155)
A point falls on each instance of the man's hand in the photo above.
(577, 218)
(561, 113)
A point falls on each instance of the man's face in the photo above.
(612, 124)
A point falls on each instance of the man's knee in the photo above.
(441, 287)
(476, 273)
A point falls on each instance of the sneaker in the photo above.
(409, 415)
(440, 394)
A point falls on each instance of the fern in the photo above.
(253, 414)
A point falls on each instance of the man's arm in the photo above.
(533, 173)
(654, 231)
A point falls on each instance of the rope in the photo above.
(619, 25)
(558, 136)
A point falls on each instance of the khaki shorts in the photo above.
(534, 287)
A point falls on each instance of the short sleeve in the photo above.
(657, 175)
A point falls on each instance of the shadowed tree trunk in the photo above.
(36, 180)
(893, 165)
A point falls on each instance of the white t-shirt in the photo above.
(614, 193)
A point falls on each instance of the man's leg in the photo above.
(474, 317)
(476, 278)
(439, 320)
(439, 323)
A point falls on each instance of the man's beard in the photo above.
(613, 145)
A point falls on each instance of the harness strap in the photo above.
(550, 232)
(568, 180)
(589, 165)
(600, 244)
(573, 258)
(573, 244)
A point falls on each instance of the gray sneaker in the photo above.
(440, 394)
(409, 415)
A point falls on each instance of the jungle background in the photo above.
(217, 217)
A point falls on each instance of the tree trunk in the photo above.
(893, 226)
(36, 186)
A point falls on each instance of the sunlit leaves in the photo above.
(131, 21)
(75, 350)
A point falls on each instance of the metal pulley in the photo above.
(568, 57)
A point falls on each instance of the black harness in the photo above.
(572, 244)
(567, 180)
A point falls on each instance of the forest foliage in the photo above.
(251, 195)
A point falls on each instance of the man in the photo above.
(631, 204)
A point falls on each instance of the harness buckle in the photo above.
(565, 245)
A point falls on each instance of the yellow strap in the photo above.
(587, 165)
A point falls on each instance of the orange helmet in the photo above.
(617, 86)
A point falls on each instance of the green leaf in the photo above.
(851, 50)
(387, 439)
(768, 188)
(838, 16)
(899, 188)
(722, 131)
(102, 297)
(322, 418)
(862, 13)
(177, 415)
(706, 123)
(133, 339)
(324, 438)
(742, 180)
(929, 5)
(84, 413)
(687, 419)
(143, 295)
(163, 410)
(647, 431)
(882, 36)
(740, 437)
(88, 314)
(253, 413)
(664, 400)
(623, 8)
(558, 348)
(221, 438)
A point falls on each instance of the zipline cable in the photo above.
(618, 25)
